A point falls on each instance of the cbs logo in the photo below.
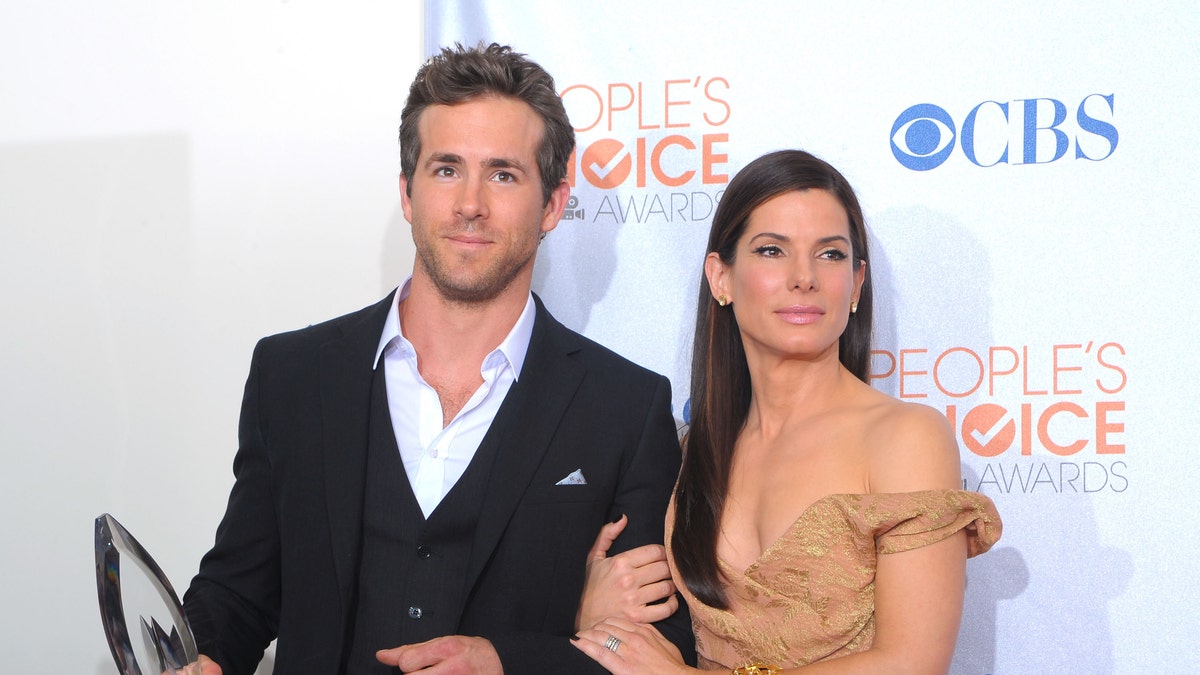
(923, 136)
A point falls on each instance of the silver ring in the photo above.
(612, 643)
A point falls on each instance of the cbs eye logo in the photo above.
(923, 136)
(926, 137)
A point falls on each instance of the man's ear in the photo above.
(405, 200)
(553, 210)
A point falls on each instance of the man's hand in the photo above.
(202, 666)
(626, 584)
(450, 655)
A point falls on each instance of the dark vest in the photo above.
(412, 570)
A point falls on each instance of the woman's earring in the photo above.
(853, 307)
(722, 300)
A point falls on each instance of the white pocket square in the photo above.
(573, 478)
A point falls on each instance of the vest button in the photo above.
(414, 612)
(424, 552)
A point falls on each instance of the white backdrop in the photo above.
(179, 179)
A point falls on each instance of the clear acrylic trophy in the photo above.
(141, 599)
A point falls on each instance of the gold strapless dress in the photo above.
(810, 596)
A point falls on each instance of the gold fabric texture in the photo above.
(810, 596)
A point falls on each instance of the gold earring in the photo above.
(722, 300)
(853, 307)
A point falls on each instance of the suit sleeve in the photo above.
(643, 492)
(233, 602)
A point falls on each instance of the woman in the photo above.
(818, 525)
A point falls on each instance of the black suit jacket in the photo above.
(286, 555)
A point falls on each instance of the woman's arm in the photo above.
(919, 592)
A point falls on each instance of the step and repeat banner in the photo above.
(1027, 173)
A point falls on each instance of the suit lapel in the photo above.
(345, 386)
(521, 432)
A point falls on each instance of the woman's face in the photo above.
(793, 276)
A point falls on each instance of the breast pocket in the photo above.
(561, 494)
(567, 484)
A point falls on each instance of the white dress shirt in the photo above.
(435, 457)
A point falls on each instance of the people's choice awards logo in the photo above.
(649, 151)
(1022, 131)
(1048, 419)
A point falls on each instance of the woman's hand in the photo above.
(627, 585)
(638, 649)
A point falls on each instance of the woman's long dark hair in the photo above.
(720, 396)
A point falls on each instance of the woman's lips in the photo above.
(800, 314)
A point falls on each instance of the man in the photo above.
(418, 483)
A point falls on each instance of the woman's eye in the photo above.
(834, 254)
(769, 251)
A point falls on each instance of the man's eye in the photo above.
(504, 177)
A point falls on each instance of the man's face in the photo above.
(476, 207)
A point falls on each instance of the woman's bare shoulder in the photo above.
(910, 447)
